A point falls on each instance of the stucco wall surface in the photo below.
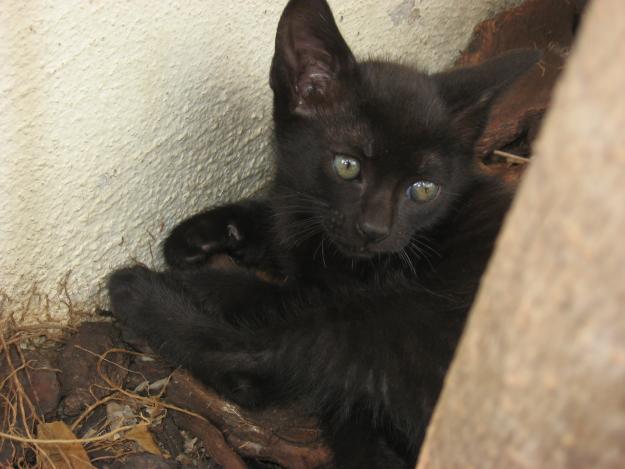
(118, 119)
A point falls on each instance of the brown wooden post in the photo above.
(539, 378)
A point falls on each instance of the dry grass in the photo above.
(20, 416)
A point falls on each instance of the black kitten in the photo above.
(380, 225)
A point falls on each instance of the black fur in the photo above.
(377, 286)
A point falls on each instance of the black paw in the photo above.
(195, 241)
(130, 291)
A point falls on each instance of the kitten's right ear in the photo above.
(311, 60)
(469, 92)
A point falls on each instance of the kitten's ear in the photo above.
(311, 60)
(470, 91)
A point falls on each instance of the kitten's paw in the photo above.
(195, 241)
(129, 293)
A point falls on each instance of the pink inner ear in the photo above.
(312, 81)
(315, 91)
(312, 54)
(316, 84)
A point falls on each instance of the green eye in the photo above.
(423, 191)
(346, 167)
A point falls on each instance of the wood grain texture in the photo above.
(539, 378)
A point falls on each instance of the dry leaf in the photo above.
(65, 455)
(160, 384)
(144, 438)
(119, 415)
(141, 386)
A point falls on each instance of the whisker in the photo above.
(317, 250)
(403, 255)
(295, 238)
(302, 196)
(421, 254)
(424, 243)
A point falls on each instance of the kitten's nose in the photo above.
(372, 232)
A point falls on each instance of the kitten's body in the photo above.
(378, 283)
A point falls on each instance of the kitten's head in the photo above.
(372, 153)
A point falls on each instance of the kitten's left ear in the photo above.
(470, 91)
(311, 60)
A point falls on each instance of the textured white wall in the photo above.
(118, 119)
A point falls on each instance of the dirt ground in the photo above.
(130, 409)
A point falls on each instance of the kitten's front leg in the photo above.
(241, 230)
(189, 331)
(151, 304)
